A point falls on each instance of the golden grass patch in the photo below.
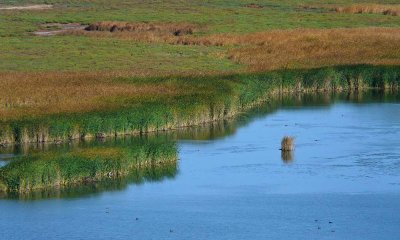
(313, 48)
(36, 94)
(393, 10)
(287, 143)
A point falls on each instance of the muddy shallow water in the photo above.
(341, 182)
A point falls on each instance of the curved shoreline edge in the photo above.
(142, 160)
(233, 94)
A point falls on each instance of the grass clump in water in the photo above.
(287, 143)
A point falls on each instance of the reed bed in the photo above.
(199, 100)
(59, 169)
(148, 173)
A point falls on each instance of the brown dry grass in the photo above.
(254, 5)
(287, 143)
(290, 49)
(32, 94)
(316, 48)
(161, 29)
(302, 48)
(143, 32)
(36, 94)
(393, 10)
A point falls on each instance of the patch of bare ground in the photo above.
(51, 29)
(27, 7)
(254, 5)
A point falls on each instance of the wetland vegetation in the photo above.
(93, 164)
(140, 105)
(193, 98)
(111, 68)
(84, 167)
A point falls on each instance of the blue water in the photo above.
(342, 182)
(4, 159)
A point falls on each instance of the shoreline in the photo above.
(58, 169)
(245, 92)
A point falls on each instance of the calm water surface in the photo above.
(342, 182)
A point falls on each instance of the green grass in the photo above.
(75, 53)
(64, 168)
(202, 99)
(199, 99)
(219, 16)
(82, 166)
(138, 176)
(20, 51)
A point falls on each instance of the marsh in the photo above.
(342, 182)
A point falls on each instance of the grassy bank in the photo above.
(386, 9)
(220, 16)
(97, 165)
(211, 25)
(138, 176)
(149, 54)
(195, 100)
(148, 66)
(224, 127)
(36, 171)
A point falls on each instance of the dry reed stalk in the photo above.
(287, 143)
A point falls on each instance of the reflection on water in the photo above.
(87, 167)
(138, 176)
(287, 156)
(80, 168)
(5, 159)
